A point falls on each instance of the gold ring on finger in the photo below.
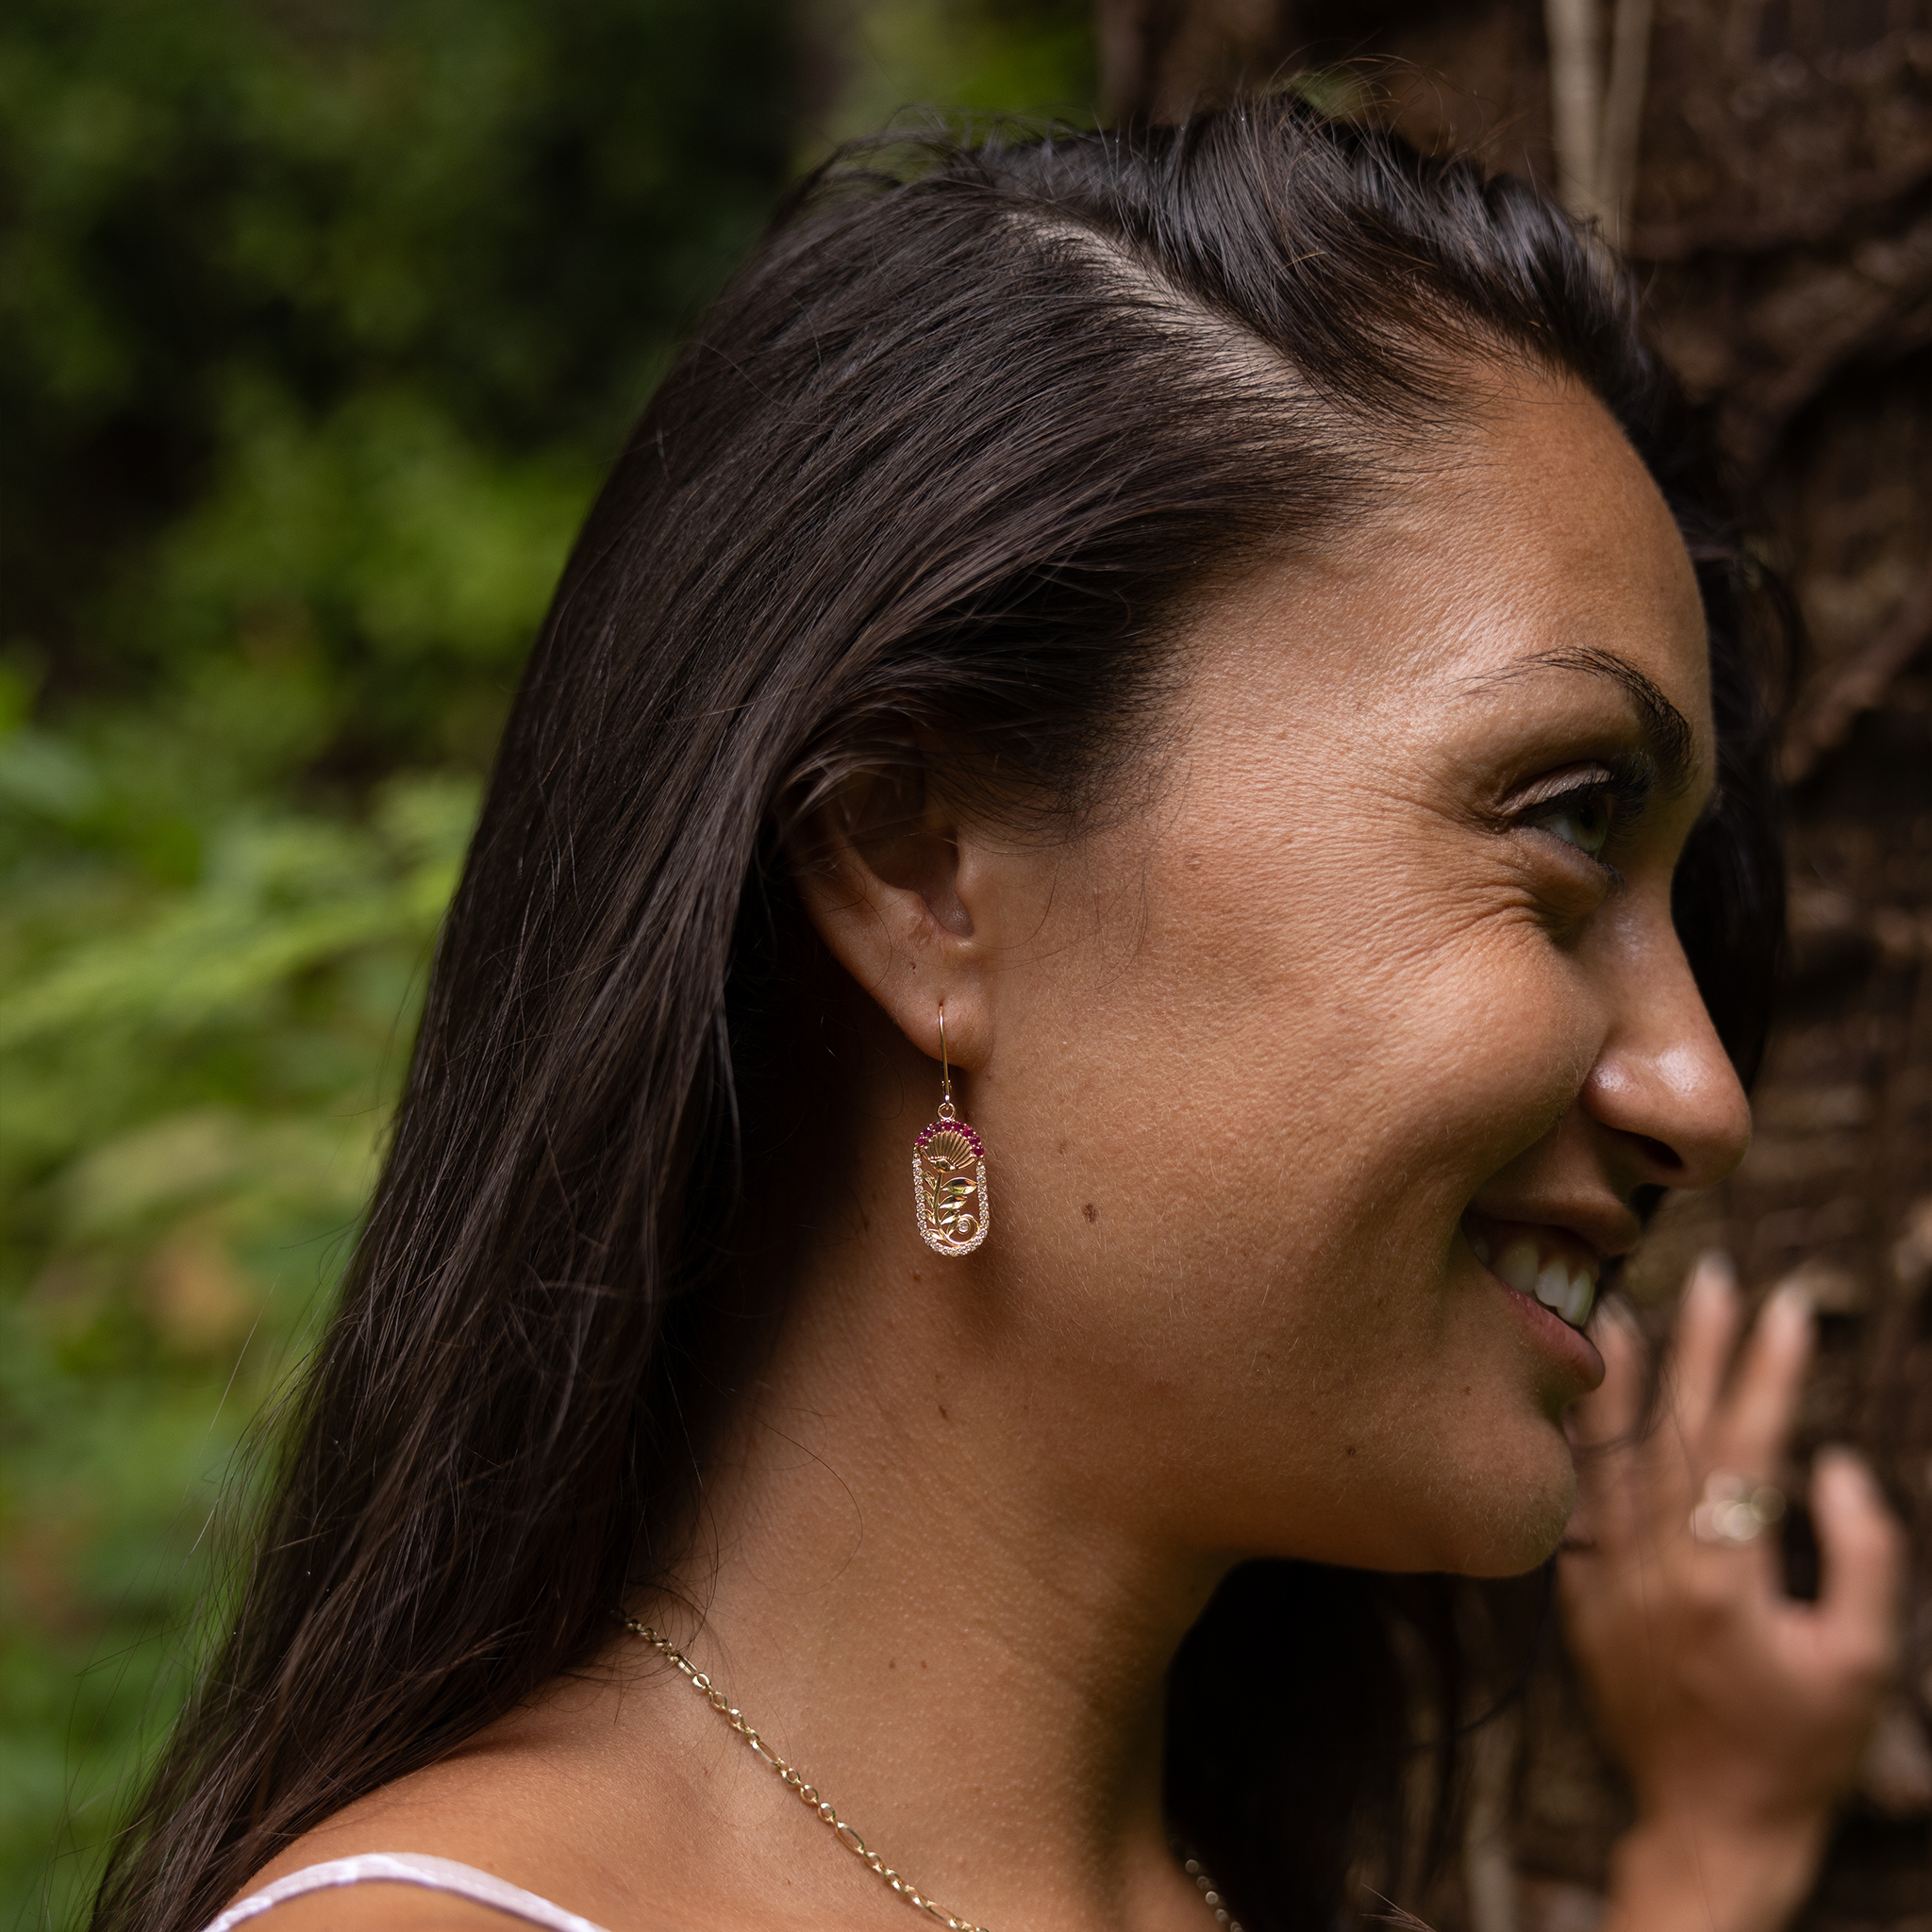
(1735, 1510)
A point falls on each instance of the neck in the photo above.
(920, 1582)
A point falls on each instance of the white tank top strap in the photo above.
(406, 1868)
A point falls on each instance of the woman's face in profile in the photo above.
(1318, 1094)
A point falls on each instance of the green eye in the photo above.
(1582, 820)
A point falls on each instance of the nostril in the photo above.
(1647, 1200)
(1658, 1153)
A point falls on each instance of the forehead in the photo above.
(1526, 560)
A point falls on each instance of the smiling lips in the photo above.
(1548, 1264)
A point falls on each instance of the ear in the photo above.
(891, 878)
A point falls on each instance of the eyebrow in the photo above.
(1667, 732)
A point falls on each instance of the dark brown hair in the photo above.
(959, 444)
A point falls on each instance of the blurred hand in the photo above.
(1739, 1712)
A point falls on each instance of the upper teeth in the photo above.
(1565, 1293)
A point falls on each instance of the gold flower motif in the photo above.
(950, 1148)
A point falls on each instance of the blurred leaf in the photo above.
(317, 325)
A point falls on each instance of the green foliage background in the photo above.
(318, 320)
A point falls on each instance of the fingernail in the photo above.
(1837, 1463)
(1715, 1274)
(1617, 1313)
(1789, 1301)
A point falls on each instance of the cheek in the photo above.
(1279, 1102)
(1255, 1129)
(1484, 1046)
(1344, 1047)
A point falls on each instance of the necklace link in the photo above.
(823, 1809)
(845, 1833)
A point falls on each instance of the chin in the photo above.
(1460, 1521)
(1507, 1533)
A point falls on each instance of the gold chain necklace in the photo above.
(842, 1831)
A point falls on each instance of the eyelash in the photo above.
(1626, 786)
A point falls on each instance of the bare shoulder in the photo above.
(511, 1808)
(381, 1907)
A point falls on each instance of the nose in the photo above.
(1663, 1084)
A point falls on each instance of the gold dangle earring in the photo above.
(949, 1174)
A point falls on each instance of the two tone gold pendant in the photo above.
(949, 1185)
(949, 1174)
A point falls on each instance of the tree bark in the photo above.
(1768, 165)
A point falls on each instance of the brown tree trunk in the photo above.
(1768, 163)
